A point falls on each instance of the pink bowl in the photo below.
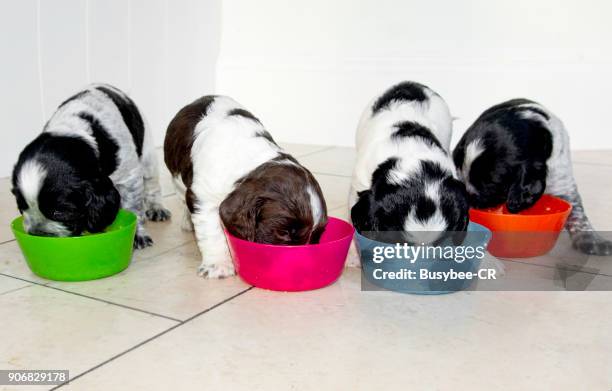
(293, 268)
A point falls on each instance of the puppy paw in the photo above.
(142, 241)
(158, 213)
(592, 244)
(216, 270)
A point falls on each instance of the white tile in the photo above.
(564, 257)
(335, 189)
(323, 340)
(167, 234)
(340, 212)
(598, 156)
(334, 161)
(44, 328)
(8, 284)
(167, 284)
(299, 150)
(13, 263)
(529, 275)
(595, 187)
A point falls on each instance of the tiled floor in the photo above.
(158, 326)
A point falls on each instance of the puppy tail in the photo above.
(584, 238)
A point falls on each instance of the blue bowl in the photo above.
(477, 237)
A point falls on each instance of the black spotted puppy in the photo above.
(515, 152)
(94, 156)
(404, 178)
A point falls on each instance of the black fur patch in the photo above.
(513, 147)
(131, 116)
(433, 170)
(265, 134)
(412, 129)
(385, 206)
(405, 91)
(73, 179)
(243, 113)
(107, 147)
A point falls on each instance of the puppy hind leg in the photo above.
(132, 199)
(216, 258)
(154, 208)
(584, 238)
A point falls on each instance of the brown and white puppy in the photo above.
(231, 173)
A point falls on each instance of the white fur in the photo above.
(374, 145)
(472, 151)
(30, 180)
(316, 206)
(224, 150)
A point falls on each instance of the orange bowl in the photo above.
(530, 233)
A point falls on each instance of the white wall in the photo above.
(307, 69)
(162, 52)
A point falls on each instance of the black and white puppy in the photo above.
(94, 156)
(404, 178)
(231, 173)
(515, 152)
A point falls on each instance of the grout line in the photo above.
(7, 241)
(572, 268)
(330, 174)
(317, 151)
(153, 337)
(93, 298)
(163, 252)
(16, 289)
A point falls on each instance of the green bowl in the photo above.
(79, 258)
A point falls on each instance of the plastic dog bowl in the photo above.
(476, 236)
(293, 268)
(530, 233)
(79, 258)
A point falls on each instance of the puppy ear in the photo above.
(360, 212)
(528, 188)
(102, 204)
(239, 212)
